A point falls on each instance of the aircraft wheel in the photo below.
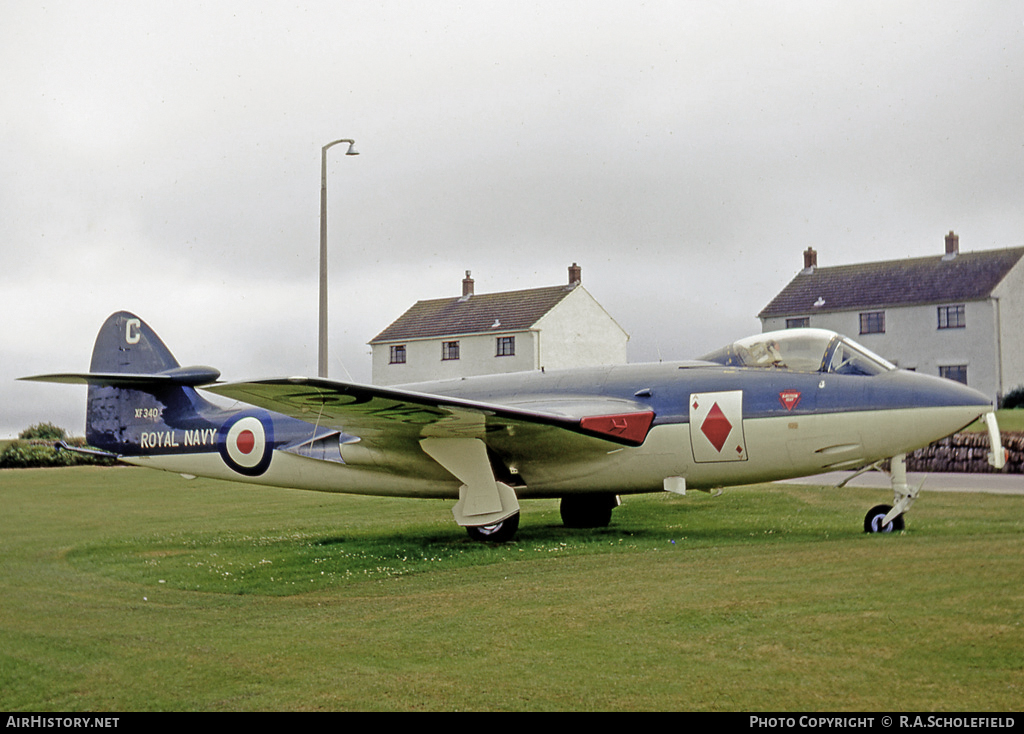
(499, 532)
(587, 511)
(873, 520)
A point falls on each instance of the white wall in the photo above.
(476, 357)
(1010, 295)
(578, 332)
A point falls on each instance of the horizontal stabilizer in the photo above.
(175, 377)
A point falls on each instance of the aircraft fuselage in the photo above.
(772, 406)
(713, 426)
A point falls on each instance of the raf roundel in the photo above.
(246, 444)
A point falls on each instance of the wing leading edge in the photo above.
(385, 415)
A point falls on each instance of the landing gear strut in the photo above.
(487, 508)
(889, 518)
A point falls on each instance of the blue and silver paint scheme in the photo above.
(773, 406)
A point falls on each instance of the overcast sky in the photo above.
(164, 158)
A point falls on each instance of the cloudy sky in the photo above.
(164, 158)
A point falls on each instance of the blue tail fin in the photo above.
(139, 395)
(126, 344)
(142, 404)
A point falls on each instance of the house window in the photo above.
(956, 372)
(803, 322)
(398, 354)
(506, 346)
(872, 322)
(449, 350)
(952, 317)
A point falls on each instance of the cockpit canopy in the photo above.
(801, 350)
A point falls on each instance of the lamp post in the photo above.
(322, 341)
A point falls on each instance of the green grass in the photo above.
(127, 590)
(1011, 420)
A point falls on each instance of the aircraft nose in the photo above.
(950, 392)
(928, 391)
(953, 404)
(916, 409)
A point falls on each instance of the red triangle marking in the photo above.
(789, 398)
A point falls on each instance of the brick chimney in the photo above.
(467, 286)
(575, 274)
(810, 259)
(952, 245)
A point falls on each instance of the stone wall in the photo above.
(967, 452)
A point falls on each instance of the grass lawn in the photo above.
(130, 590)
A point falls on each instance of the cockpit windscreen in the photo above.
(801, 350)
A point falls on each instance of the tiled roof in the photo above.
(970, 276)
(483, 313)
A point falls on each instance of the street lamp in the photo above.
(322, 341)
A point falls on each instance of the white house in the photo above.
(477, 334)
(959, 315)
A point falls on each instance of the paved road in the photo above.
(991, 483)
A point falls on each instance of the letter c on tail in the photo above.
(132, 331)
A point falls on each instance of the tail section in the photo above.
(141, 402)
(143, 407)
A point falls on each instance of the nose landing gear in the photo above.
(874, 521)
(889, 518)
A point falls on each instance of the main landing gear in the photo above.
(499, 532)
(488, 507)
(578, 511)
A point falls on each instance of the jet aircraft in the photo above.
(773, 406)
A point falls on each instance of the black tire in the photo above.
(587, 510)
(873, 520)
(499, 532)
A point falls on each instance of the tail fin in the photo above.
(154, 397)
(139, 394)
(127, 344)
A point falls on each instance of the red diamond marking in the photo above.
(716, 427)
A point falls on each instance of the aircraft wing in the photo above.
(384, 415)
